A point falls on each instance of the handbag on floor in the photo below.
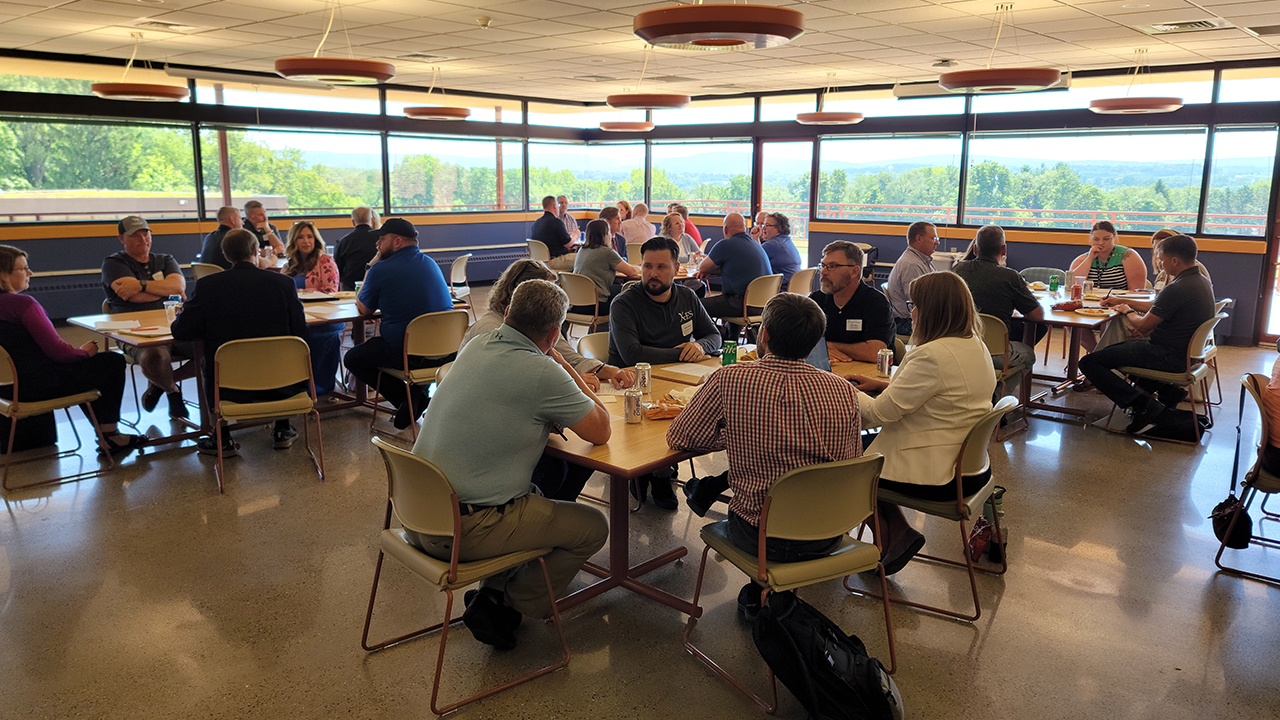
(1223, 511)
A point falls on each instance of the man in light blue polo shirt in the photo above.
(486, 430)
(402, 283)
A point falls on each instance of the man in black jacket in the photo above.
(549, 230)
(358, 247)
(211, 251)
(243, 302)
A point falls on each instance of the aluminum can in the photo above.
(729, 353)
(644, 378)
(1088, 287)
(1053, 283)
(884, 361)
(632, 410)
(1077, 292)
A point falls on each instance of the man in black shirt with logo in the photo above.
(859, 321)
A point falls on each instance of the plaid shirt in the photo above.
(772, 416)
(570, 225)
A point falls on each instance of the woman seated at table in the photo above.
(598, 260)
(1162, 278)
(673, 228)
(49, 368)
(942, 387)
(314, 270)
(1109, 266)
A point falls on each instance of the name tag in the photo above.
(157, 276)
(853, 325)
(686, 328)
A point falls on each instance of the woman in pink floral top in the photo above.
(314, 270)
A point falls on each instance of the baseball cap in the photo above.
(397, 226)
(132, 224)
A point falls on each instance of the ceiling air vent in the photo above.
(1265, 30)
(166, 27)
(423, 57)
(1184, 27)
(671, 79)
(595, 78)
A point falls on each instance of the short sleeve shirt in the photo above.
(598, 263)
(740, 260)
(1182, 306)
(402, 286)
(486, 433)
(121, 265)
(865, 317)
(996, 290)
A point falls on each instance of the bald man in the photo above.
(738, 259)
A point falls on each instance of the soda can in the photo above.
(1053, 283)
(1088, 287)
(644, 378)
(1077, 292)
(884, 361)
(632, 410)
(729, 353)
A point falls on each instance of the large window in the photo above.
(1240, 180)
(882, 103)
(1192, 87)
(898, 179)
(786, 168)
(295, 173)
(706, 112)
(1143, 181)
(1250, 85)
(59, 78)
(712, 178)
(592, 176)
(280, 94)
(66, 171)
(786, 107)
(576, 116)
(445, 175)
(482, 109)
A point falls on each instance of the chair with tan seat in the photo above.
(594, 346)
(809, 503)
(133, 377)
(971, 460)
(459, 288)
(995, 334)
(538, 251)
(582, 293)
(870, 254)
(634, 256)
(802, 281)
(759, 292)
(16, 409)
(420, 498)
(200, 270)
(257, 365)
(1256, 480)
(432, 335)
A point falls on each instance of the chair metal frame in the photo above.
(133, 377)
(538, 250)
(995, 335)
(976, 441)
(575, 286)
(434, 344)
(273, 345)
(821, 474)
(802, 281)
(390, 451)
(1211, 349)
(1256, 480)
(458, 276)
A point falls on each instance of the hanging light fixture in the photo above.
(828, 118)
(646, 101)
(425, 112)
(626, 126)
(335, 71)
(1000, 80)
(1136, 105)
(718, 27)
(144, 92)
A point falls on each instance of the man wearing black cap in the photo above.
(402, 283)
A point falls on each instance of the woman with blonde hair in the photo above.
(314, 270)
(941, 388)
(673, 227)
(624, 207)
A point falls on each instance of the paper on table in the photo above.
(313, 296)
(607, 388)
(115, 324)
(692, 370)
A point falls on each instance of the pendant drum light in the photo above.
(426, 112)
(144, 92)
(1136, 105)
(334, 71)
(991, 80)
(626, 126)
(646, 101)
(822, 117)
(718, 27)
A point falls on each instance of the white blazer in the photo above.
(937, 394)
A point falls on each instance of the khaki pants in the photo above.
(576, 532)
(564, 263)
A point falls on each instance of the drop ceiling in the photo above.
(584, 50)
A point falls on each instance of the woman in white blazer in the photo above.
(941, 388)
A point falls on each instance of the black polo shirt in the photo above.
(550, 230)
(996, 290)
(1182, 306)
(866, 316)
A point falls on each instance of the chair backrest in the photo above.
(1254, 383)
(442, 371)
(899, 348)
(761, 290)
(1201, 341)
(200, 270)
(580, 288)
(421, 496)
(9, 373)
(703, 247)
(633, 252)
(973, 457)
(1221, 305)
(106, 307)
(594, 346)
(436, 334)
(1042, 274)
(264, 363)
(1147, 283)
(538, 250)
(825, 500)
(802, 281)
(458, 273)
(995, 334)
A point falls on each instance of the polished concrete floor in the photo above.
(146, 594)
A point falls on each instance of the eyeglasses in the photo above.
(774, 226)
(830, 267)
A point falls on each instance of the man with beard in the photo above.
(859, 320)
(657, 322)
(402, 283)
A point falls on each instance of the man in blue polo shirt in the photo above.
(740, 259)
(402, 283)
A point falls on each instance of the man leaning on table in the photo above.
(402, 283)
(137, 279)
(487, 437)
(242, 302)
(859, 321)
(814, 417)
(1163, 330)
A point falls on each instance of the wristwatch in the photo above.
(144, 286)
(1131, 312)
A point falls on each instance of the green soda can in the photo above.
(729, 353)
(1053, 283)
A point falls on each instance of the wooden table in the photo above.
(1078, 325)
(669, 372)
(632, 451)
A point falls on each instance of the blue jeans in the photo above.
(1097, 367)
(747, 537)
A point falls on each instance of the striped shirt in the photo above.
(1110, 275)
(772, 416)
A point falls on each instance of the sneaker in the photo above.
(177, 407)
(1144, 413)
(487, 620)
(749, 602)
(151, 397)
(283, 437)
(207, 446)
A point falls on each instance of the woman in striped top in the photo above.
(1109, 266)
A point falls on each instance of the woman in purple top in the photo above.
(46, 366)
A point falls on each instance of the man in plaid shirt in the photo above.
(772, 416)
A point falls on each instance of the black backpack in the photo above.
(1180, 425)
(828, 671)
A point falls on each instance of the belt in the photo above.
(466, 509)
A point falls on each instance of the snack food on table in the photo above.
(662, 410)
(1068, 306)
(1038, 286)
(748, 356)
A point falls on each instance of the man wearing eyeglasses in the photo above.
(859, 321)
(916, 260)
(775, 238)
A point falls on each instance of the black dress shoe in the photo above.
(663, 495)
(749, 602)
(511, 616)
(151, 397)
(696, 503)
(486, 620)
(897, 556)
(177, 407)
